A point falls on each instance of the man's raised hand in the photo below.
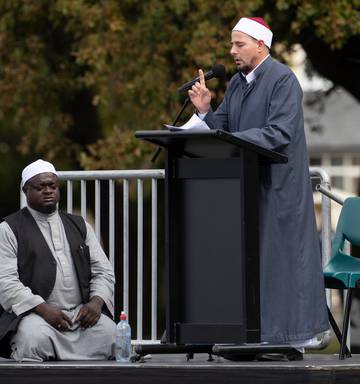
(199, 95)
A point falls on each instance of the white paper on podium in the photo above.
(193, 123)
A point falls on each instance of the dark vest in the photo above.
(36, 263)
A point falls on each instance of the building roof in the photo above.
(332, 122)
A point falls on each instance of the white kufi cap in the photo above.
(35, 168)
(256, 28)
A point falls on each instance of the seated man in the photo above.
(56, 283)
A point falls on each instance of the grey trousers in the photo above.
(37, 340)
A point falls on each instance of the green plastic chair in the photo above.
(343, 270)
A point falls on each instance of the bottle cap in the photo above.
(123, 315)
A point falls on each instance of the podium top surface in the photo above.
(198, 143)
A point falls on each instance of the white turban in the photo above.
(35, 168)
(256, 28)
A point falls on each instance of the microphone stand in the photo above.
(185, 104)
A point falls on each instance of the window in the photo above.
(356, 189)
(356, 160)
(336, 160)
(337, 182)
(315, 160)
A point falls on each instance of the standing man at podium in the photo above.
(263, 105)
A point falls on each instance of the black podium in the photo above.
(212, 235)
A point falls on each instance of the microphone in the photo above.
(218, 70)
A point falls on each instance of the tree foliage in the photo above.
(56, 55)
(78, 77)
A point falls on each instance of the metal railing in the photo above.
(140, 176)
(325, 241)
(325, 191)
(325, 213)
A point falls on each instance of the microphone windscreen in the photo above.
(218, 70)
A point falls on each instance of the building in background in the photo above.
(332, 128)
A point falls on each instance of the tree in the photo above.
(328, 31)
(55, 65)
(78, 77)
(163, 45)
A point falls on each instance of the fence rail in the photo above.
(325, 240)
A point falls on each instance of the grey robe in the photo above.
(268, 112)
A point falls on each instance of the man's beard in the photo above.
(245, 69)
(47, 208)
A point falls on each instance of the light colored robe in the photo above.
(35, 338)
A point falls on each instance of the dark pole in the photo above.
(158, 150)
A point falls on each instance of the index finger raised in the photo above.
(201, 77)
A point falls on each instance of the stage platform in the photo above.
(173, 369)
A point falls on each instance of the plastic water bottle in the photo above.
(123, 340)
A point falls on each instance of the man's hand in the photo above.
(199, 95)
(53, 315)
(90, 312)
